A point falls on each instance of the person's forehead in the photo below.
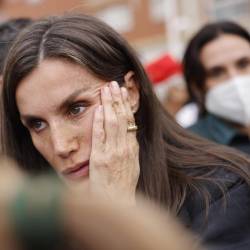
(224, 49)
(51, 73)
(52, 81)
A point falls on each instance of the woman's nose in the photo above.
(64, 141)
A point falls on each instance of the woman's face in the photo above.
(56, 103)
(224, 58)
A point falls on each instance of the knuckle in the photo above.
(99, 133)
(120, 154)
(120, 113)
(113, 122)
(123, 115)
(117, 98)
(109, 157)
(125, 153)
(115, 157)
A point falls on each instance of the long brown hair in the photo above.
(173, 161)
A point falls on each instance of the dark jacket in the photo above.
(227, 226)
(217, 130)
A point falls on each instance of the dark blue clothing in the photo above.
(227, 226)
(217, 130)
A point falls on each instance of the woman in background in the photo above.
(216, 67)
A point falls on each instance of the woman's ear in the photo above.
(133, 91)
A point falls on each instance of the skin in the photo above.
(175, 99)
(224, 58)
(73, 121)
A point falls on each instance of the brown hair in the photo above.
(172, 161)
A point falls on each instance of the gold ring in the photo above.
(131, 127)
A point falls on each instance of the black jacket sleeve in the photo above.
(227, 226)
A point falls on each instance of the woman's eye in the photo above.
(77, 109)
(243, 63)
(37, 125)
(216, 72)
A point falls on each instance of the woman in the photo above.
(217, 71)
(62, 109)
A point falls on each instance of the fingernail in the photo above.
(115, 85)
(106, 90)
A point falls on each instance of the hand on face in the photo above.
(114, 160)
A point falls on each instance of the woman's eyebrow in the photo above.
(243, 58)
(25, 118)
(68, 101)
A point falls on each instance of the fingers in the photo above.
(114, 149)
(110, 118)
(120, 111)
(131, 135)
(117, 115)
(98, 135)
(129, 113)
(117, 99)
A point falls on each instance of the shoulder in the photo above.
(201, 127)
(226, 223)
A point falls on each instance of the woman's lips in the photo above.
(77, 171)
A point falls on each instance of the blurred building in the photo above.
(184, 18)
(238, 10)
(153, 27)
(142, 22)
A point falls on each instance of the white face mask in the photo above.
(231, 100)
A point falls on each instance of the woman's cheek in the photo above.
(42, 146)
